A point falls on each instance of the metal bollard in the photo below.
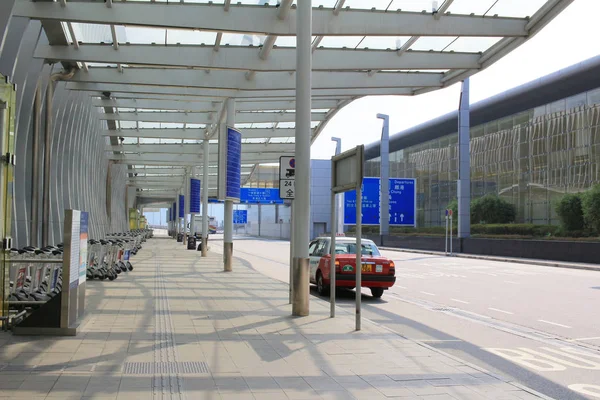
(301, 291)
(228, 256)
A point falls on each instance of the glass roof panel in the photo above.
(516, 8)
(340, 41)
(435, 43)
(383, 42)
(184, 36)
(414, 5)
(472, 44)
(143, 35)
(477, 7)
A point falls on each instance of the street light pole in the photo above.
(384, 195)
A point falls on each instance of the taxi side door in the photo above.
(315, 258)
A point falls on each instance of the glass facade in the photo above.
(530, 159)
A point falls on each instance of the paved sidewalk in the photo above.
(178, 327)
(516, 260)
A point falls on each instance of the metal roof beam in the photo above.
(187, 159)
(284, 59)
(206, 106)
(142, 104)
(197, 134)
(237, 94)
(253, 19)
(196, 149)
(229, 80)
(205, 118)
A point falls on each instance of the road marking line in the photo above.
(460, 301)
(401, 287)
(429, 294)
(499, 310)
(554, 323)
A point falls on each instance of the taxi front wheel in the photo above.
(377, 292)
(322, 289)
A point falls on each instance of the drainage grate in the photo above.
(150, 368)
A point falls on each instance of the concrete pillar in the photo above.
(204, 190)
(384, 198)
(301, 212)
(228, 218)
(464, 164)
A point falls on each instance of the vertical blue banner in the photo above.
(181, 206)
(194, 196)
(234, 164)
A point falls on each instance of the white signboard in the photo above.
(287, 178)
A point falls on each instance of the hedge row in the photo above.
(580, 212)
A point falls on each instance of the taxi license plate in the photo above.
(367, 268)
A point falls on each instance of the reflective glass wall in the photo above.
(530, 159)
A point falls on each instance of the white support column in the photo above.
(463, 189)
(301, 215)
(228, 228)
(204, 190)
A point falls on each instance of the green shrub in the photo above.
(570, 212)
(489, 209)
(492, 209)
(590, 204)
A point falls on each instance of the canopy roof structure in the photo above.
(160, 72)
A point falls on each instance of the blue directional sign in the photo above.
(181, 206)
(240, 216)
(174, 211)
(260, 196)
(194, 195)
(215, 201)
(403, 206)
(234, 164)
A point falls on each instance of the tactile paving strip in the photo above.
(150, 368)
(167, 381)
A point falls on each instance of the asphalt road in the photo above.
(538, 325)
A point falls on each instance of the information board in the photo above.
(403, 205)
(194, 195)
(287, 178)
(234, 164)
(260, 196)
(83, 241)
(181, 206)
(240, 216)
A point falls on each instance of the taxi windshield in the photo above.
(367, 249)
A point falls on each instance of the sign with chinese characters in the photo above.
(403, 204)
(260, 196)
(287, 178)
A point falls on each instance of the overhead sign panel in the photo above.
(287, 178)
(403, 202)
(194, 196)
(260, 196)
(240, 216)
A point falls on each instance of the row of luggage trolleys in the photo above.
(35, 274)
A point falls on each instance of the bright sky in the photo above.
(570, 38)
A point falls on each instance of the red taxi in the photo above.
(378, 272)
